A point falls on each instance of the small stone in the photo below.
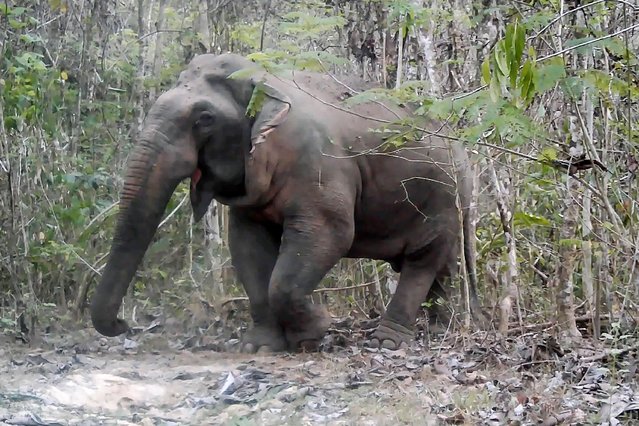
(271, 404)
(130, 344)
(238, 410)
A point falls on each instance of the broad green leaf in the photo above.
(495, 89)
(526, 81)
(17, 11)
(501, 58)
(520, 41)
(549, 73)
(317, 61)
(365, 96)
(509, 47)
(442, 108)
(260, 57)
(573, 86)
(549, 154)
(244, 73)
(514, 48)
(527, 220)
(588, 48)
(485, 70)
(606, 83)
(257, 100)
(15, 24)
(570, 242)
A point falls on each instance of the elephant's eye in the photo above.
(205, 120)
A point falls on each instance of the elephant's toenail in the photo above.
(372, 343)
(389, 344)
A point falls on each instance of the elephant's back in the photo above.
(337, 98)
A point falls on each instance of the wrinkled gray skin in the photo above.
(306, 186)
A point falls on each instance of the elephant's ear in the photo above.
(269, 107)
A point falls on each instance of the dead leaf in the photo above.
(456, 418)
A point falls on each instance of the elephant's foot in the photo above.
(390, 335)
(263, 339)
(307, 334)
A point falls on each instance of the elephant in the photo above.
(309, 179)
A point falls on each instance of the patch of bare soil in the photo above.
(153, 378)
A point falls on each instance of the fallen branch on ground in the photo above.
(319, 290)
(515, 328)
(610, 353)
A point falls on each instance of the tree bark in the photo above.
(509, 291)
(139, 86)
(159, 45)
(563, 281)
(202, 25)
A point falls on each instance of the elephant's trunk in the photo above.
(148, 186)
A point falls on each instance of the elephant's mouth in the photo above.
(195, 178)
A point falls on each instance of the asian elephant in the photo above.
(309, 180)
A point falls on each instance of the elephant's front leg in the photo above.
(254, 248)
(311, 246)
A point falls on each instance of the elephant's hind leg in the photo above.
(397, 326)
(439, 316)
(254, 248)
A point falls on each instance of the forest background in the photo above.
(544, 93)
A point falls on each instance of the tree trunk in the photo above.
(159, 45)
(509, 289)
(562, 283)
(139, 86)
(202, 25)
(213, 245)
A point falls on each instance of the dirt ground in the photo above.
(154, 377)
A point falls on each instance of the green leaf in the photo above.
(15, 24)
(495, 89)
(526, 81)
(548, 154)
(317, 61)
(365, 96)
(17, 11)
(257, 100)
(442, 108)
(520, 42)
(528, 220)
(485, 71)
(501, 58)
(606, 83)
(244, 73)
(588, 48)
(509, 48)
(570, 242)
(572, 86)
(549, 73)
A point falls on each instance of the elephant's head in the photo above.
(198, 129)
